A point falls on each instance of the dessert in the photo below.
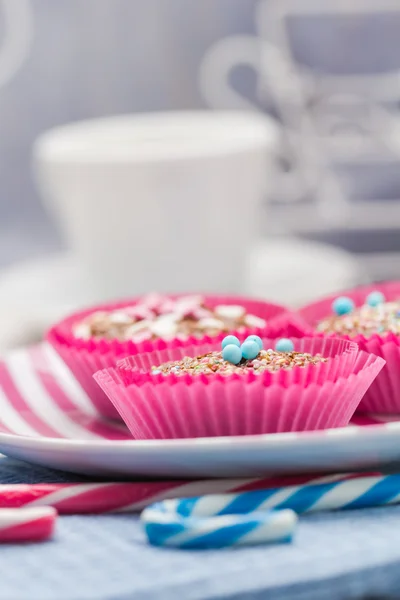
(96, 338)
(370, 316)
(243, 387)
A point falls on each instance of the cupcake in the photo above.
(96, 338)
(370, 316)
(254, 387)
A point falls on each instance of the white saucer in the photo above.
(46, 418)
(36, 293)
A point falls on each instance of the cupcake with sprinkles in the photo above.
(243, 386)
(370, 316)
(99, 336)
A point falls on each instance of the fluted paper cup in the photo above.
(302, 399)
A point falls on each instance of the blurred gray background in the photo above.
(88, 58)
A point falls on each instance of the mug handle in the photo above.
(216, 66)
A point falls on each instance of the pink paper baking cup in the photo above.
(85, 357)
(384, 394)
(167, 407)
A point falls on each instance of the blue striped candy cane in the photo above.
(164, 528)
(359, 492)
(215, 521)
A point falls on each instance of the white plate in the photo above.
(45, 418)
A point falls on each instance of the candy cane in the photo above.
(26, 524)
(81, 498)
(361, 492)
(247, 517)
(173, 530)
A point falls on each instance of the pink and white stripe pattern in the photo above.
(27, 524)
(40, 398)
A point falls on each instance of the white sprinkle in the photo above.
(253, 321)
(230, 311)
(152, 300)
(165, 326)
(82, 331)
(210, 323)
(137, 327)
(190, 306)
(168, 306)
(120, 318)
(139, 312)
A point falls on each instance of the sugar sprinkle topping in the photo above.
(162, 317)
(366, 320)
(213, 362)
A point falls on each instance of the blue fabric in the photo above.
(354, 554)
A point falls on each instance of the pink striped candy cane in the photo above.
(86, 498)
(27, 524)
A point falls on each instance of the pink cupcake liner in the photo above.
(288, 324)
(384, 394)
(85, 357)
(82, 364)
(166, 407)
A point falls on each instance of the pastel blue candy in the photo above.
(232, 354)
(375, 298)
(256, 339)
(342, 305)
(250, 349)
(284, 345)
(230, 339)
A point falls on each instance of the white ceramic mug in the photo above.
(164, 201)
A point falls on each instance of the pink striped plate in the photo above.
(46, 418)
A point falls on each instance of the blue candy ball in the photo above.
(256, 339)
(284, 345)
(375, 299)
(342, 305)
(230, 339)
(250, 349)
(232, 354)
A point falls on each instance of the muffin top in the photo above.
(162, 317)
(246, 358)
(375, 316)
